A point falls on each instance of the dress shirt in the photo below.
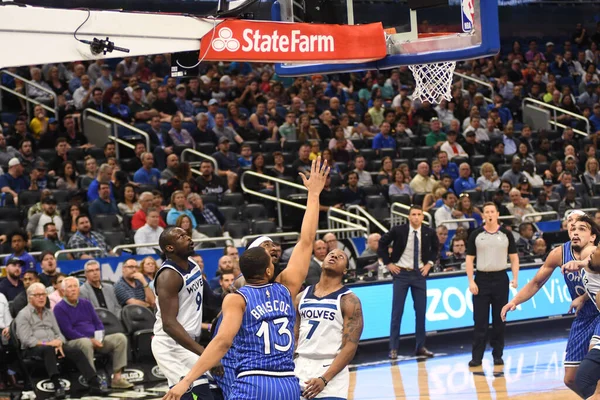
(32, 329)
(146, 234)
(407, 258)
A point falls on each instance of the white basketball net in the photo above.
(433, 81)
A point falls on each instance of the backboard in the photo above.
(414, 36)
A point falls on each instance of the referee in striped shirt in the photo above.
(492, 244)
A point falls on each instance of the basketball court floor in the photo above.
(533, 369)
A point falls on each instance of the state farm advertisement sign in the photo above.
(240, 40)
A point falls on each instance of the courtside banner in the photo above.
(261, 41)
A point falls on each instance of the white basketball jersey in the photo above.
(321, 324)
(591, 281)
(190, 300)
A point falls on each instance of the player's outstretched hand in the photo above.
(177, 391)
(576, 304)
(318, 175)
(571, 266)
(314, 386)
(508, 307)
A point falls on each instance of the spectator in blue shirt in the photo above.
(178, 208)
(383, 140)
(227, 161)
(103, 204)
(465, 180)
(183, 105)
(13, 182)
(595, 119)
(448, 168)
(245, 158)
(18, 240)
(147, 175)
(117, 109)
(104, 175)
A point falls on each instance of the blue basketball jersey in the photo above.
(264, 344)
(575, 284)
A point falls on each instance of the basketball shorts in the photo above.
(337, 388)
(175, 361)
(263, 387)
(588, 373)
(578, 344)
(596, 336)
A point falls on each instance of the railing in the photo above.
(336, 223)
(464, 77)
(335, 215)
(539, 214)
(137, 246)
(556, 110)
(199, 154)
(82, 250)
(31, 253)
(397, 217)
(454, 221)
(358, 210)
(248, 238)
(116, 122)
(25, 97)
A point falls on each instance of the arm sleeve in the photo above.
(512, 246)
(65, 325)
(471, 247)
(33, 222)
(122, 294)
(384, 243)
(24, 331)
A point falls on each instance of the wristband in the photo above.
(209, 327)
(43, 342)
(324, 380)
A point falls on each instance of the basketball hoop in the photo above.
(433, 82)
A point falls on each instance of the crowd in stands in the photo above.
(58, 191)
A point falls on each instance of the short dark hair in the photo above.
(445, 195)
(351, 173)
(46, 225)
(524, 225)
(227, 247)
(81, 216)
(18, 233)
(54, 278)
(489, 203)
(254, 262)
(108, 144)
(60, 140)
(32, 272)
(415, 207)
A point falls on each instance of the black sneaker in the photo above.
(474, 363)
(498, 361)
(95, 387)
(60, 393)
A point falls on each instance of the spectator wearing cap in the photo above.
(549, 190)
(35, 225)
(78, 322)
(18, 242)
(514, 174)
(549, 54)
(223, 131)
(185, 107)
(48, 139)
(179, 135)
(38, 178)
(84, 237)
(103, 204)
(213, 108)
(465, 181)
(12, 285)
(451, 147)
(147, 175)
(383, 140)
(13, 182)
(226, 160)
(570, 202)
(140, 110)
(435, 138)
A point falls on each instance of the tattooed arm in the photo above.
(353, 326)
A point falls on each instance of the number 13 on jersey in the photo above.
(283, 330)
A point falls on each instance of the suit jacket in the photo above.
(155, 141)
(398, 235)
(86, 291)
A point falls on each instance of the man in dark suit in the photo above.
(414, 250)
(161, 143)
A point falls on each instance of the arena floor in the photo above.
(533, 369)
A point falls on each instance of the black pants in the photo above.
(417, 284)
(48, 355)
(588, 373)
(493, 291)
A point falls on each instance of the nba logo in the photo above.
(468, 15)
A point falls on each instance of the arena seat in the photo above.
(400, 198)
(233, 199)
(372, 190)
(210, 198)
(387, 152)
(7, 227)
(206, 147)
(230, 213)
(253, 212)
(263, 227)
(28, 198)
(378, 207)
(237, 229)
(210, 230)
(10, 214)
(139, 323)
(106, 222)
(114, 238)
(111, 323)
